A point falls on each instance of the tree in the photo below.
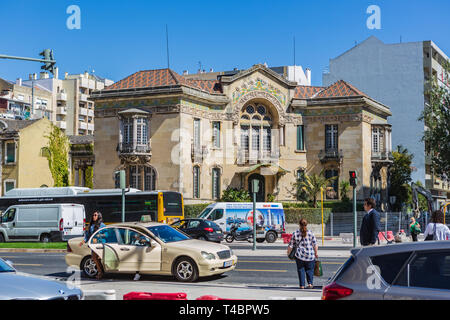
(344, 187)
(436, 117)
(235, 195)
(56, 152)
(312, 184)
(400, 176)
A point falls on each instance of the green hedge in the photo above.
(312, 215)
(193, 210)
(335, 206)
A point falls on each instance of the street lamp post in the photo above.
(255, 189)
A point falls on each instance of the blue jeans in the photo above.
(305, 267)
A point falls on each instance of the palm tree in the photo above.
(312, 184)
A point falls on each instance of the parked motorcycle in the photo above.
(244, 235)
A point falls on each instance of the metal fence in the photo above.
(339, 223)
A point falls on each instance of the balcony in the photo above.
(61, 110)
(263, 156)
(90, 113)
(382, 156)
(83, 125)
(90, 127)
(331, 155)
(83, 111)
(61, 124)
(84, 83)
(83, 97)
(129, 148)
(198, 153)
(61, 96)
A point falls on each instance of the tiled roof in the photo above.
(15, 125)
(162, 78)
(340, 89)
(306, 92)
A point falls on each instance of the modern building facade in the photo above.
(21, 142)
(69, 106)
(397, 75)
(200, 137)
(16, 101)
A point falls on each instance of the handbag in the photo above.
(430, 237)
(291, 255)
(318, 272)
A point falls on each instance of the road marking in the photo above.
(256, 270)
(337, 263)
(27, 264)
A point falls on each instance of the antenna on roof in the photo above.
(294, 58)
(167, 44)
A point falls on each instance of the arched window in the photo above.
(256, 134)
(149, 179)
(196, 182)
(216, 183)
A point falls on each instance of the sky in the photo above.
(118, 38)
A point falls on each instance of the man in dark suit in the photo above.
(370, 226)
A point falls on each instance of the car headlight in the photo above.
(208, 256)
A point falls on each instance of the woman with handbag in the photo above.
(436, 230)
(414, 228)
(303, 248)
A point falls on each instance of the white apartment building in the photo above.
(72, 111)
(397, 75)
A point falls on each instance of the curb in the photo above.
(33, 250)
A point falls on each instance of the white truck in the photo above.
(42, 222)
(270, 219)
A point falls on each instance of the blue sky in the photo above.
(118, 38)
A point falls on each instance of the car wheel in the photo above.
(45, 238)
(89, 267)
(229, 238)
(202, 238)
(185, 270)
(271, 237)
(2, 238)
(260, 240)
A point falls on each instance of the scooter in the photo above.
(245, 235)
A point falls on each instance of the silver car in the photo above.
(15, 286)
(419, 270)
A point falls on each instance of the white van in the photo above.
(42, 222)
(269, 224)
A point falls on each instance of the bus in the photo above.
(161, 206)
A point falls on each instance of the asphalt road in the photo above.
(251, 270)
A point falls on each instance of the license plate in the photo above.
(227, 264)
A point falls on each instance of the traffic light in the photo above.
(353, 178)
(50, 62)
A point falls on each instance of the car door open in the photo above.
(105, 244)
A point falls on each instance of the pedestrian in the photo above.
(436, 229)
(95, 224)
(414, 229)
(306, 253)
(370, 226)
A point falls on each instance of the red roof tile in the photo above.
(339, 89)
(161, 78)
(306, 92)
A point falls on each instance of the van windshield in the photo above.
(205, 212)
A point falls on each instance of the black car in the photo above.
(201, 229)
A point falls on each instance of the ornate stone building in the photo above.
(200, 137)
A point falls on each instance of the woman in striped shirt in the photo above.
(306, 253)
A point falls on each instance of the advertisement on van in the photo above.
(268, 216)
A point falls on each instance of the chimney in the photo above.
(19, 81)
(56, 73)
(43, 75)
(308, 75)
(185, 73)
(66, 74)
(34, 77)
(211, 70)
(86, 75)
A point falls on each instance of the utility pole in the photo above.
(255, 190)
(354, 183)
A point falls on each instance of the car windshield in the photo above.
(168, 234)
(205, 212)
(4, 267)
